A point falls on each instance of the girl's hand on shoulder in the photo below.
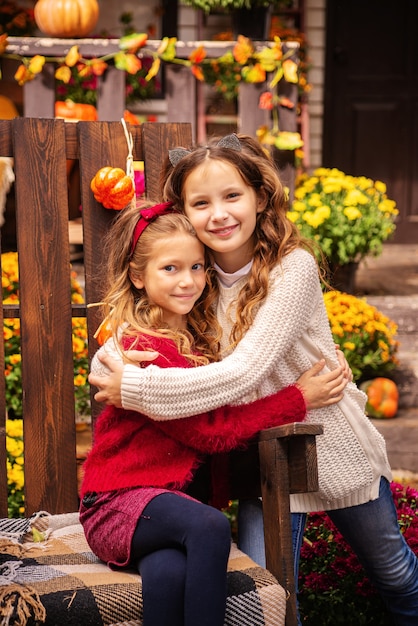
(109, 386)
(321, 390)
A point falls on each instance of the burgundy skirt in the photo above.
(109, 520)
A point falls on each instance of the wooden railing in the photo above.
(180, 90)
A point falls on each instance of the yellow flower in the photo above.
(292, 215)
(352, 213)
(73, 56)
(380, 186)
(365, 335)
(79, 380)
(349, 345)
(315, 200)
(359, 216)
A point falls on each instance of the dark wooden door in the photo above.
(371, 98)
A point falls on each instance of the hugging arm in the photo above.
(280, 322)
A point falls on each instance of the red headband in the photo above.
(146, 216)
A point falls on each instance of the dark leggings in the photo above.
(181, 549)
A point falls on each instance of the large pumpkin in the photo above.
(382, 397)
(66, 18)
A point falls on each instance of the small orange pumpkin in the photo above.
(112, 187)
(66, 18)
(382, 397)
(75, 111)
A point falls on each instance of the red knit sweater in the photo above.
(132, 450)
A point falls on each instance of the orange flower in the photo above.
(285, 102)
(277, 49)
(198, 55)
(84, 70)
(243, 50)
(3, 43)
(197, 72)
(266, 101)
(23, 75)
(98, 67)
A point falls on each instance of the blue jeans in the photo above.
(372, 530)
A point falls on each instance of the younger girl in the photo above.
(133, 510)
(270, 306)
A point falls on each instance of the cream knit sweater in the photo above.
(290, 333)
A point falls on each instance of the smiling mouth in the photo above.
(227, 230)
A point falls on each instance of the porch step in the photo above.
(401, 436)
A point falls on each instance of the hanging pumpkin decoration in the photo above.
(66, 18)
(112, 187)
(382, 397)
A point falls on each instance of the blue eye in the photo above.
(169, 268)
(198, 266)
(199, 204)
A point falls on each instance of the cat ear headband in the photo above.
(229, 141)
(146, 216)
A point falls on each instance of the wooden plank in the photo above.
(180, 95)
(111, 95)
(6, 141)
(3, 409)
(39, 94)
(46, 342)
(157, 140)
(274, 471)
(6, 149)
(100, 144)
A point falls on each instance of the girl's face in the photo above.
(175, 277)
(223, 210)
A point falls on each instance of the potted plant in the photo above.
(230, 5)
(348, 217)
(249, 17)
(365, 335)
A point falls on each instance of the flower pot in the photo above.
(343, 277)
(253, 23)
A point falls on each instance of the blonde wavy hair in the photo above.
(275, 234)
(130, 314)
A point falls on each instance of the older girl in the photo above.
(269, 303)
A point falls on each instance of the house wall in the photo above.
(146, 17)
(315, 35)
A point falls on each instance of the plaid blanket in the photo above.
(57, 580)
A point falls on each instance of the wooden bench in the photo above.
(40, 149)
